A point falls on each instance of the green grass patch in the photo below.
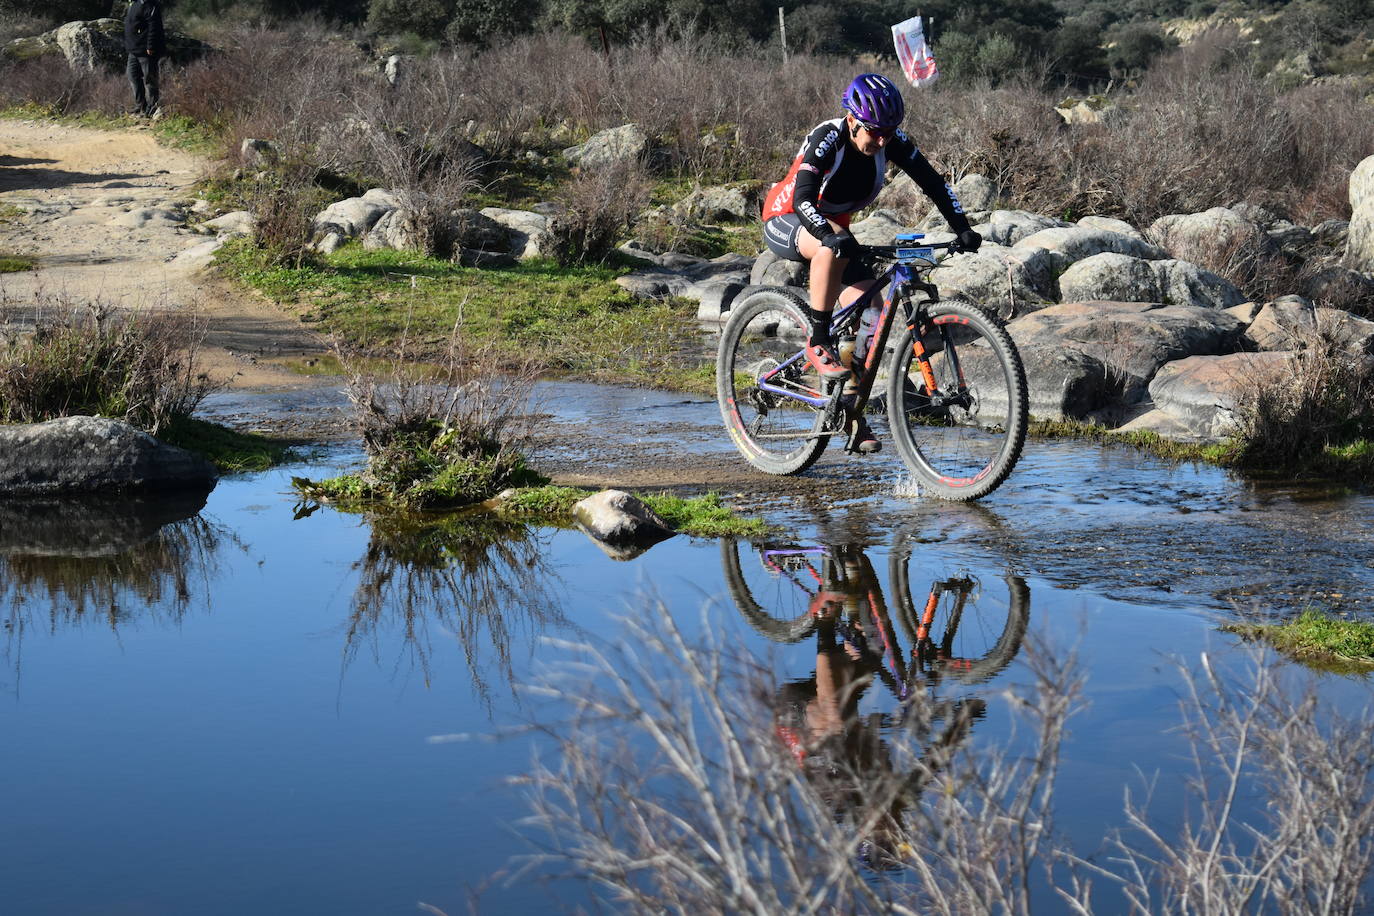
(1146, 441)
(700, 516)
(563, 318)
(14, 263)
(1345, 646)
(231, 451)
(9, 213)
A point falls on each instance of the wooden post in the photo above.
(782, 33)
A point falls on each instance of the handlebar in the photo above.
(908, 247)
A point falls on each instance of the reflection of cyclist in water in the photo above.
(844, 752)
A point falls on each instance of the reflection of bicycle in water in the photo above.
(960, 631)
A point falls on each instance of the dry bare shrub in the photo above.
(96, 361)
(673, 791)
(1337, 133)
(599, 207)
(53, 85)
(1252, 738)
(1322, 399)
(414, 141)
(1249, 261)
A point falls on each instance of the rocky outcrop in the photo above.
(1007, 227)
(732, 203)
(1289, 323)
(684, 275)
(93, 455)
(1070, 244)
(1126, 343)
(620, 523)
(528, 233)
(1009, 281)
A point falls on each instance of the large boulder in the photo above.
(93, 455)
(616, 144)
(1201, 393)
(1124, 278)
(1009, 281)
(1130, 341)
(1359, 245)
(355, 217)
(1119, 226)
(1007, 227)
(1218, 234)
(1071, 244)
(720, 204)
(880, 227)
(620, 523)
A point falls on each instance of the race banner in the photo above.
(917, 62)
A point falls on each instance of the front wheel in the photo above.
(960, 428)
(760, 359)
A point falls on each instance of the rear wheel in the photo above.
(767, 331)
(963, 440)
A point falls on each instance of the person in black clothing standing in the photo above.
(144, 41)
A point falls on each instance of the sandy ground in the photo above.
(105, 213)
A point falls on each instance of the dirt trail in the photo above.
(105, 213)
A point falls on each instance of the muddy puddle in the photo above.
(243, 707)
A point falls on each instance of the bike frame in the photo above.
(910, 259)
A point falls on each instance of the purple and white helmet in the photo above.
(874, 100)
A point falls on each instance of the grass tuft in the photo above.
(232, 451)
(14, 263)
(1344, 646)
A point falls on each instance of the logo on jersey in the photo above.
(823, 148)
(958, 207)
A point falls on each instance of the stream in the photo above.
(244, 705)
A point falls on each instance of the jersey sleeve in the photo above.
(903, 152)
(817, 158)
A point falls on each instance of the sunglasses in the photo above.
(878, 133)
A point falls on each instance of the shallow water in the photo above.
(237, 711)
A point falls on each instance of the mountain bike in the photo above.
(955, 394)
(959, 629)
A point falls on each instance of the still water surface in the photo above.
(230, 709)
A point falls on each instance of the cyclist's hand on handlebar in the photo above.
(970, 240)
(843, 244)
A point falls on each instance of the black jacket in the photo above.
(143, 27)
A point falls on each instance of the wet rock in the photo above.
(619, 521)
(617, 144)
(1071, 244)
(1200, 393)
(93, 455)
(1009, 281)
(1285, 324)
(771, 270)
(1129, 341)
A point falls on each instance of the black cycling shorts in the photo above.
(781, 233)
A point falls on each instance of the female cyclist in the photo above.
(840, 169)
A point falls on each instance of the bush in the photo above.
(601, 204)
(436, 436)
(1314, 417)
(138, 368)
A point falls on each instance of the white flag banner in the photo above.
(917, 62)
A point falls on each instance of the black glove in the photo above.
(970, 240)
(842, 243)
